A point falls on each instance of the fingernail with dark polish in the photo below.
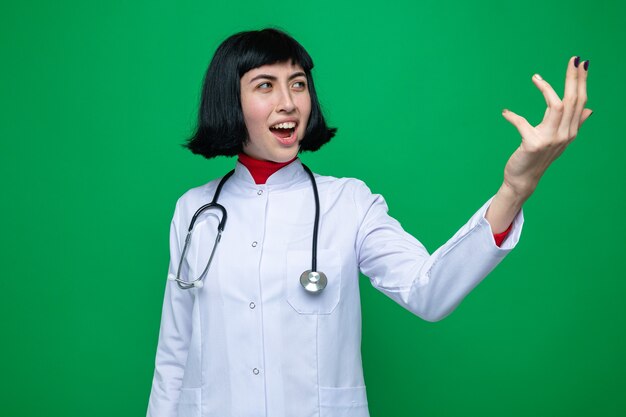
(586, 65)
(577, 61)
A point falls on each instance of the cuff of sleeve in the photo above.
(509, 237)
(479, 224)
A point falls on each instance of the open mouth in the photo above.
(285, 132)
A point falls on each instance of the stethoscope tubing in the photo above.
(185, 285)
(309, 279)
(317, 218)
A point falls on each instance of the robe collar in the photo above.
(289, 175)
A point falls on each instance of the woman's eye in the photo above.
(299, 84)
(264, 86)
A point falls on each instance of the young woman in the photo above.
(264, 318)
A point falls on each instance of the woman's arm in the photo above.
(428, 285)
(174, 336)
(540, 145)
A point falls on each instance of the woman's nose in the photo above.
(285, 102)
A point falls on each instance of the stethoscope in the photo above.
(311, 280)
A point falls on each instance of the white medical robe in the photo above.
(252, 342)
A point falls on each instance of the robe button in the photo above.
(254, 244)
(259, 192)
(255, 371)
(252, 305)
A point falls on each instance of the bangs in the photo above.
(269, 47)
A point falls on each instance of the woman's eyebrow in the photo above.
(297, 74)
(274, 78)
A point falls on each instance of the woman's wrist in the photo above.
(503, 208)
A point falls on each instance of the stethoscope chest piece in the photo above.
(313, 282)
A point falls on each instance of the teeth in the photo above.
(286, 125)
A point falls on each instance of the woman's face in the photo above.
(276, 106)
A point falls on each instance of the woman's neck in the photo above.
(261, 170)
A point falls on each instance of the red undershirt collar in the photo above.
(261, 170)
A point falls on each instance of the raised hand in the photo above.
(541, 144)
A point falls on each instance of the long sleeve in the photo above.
(430, 286)
(174, 338)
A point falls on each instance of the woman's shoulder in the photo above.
(198, 195)
(351, 189)
(342, 183)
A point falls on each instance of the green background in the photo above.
(96, 99)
